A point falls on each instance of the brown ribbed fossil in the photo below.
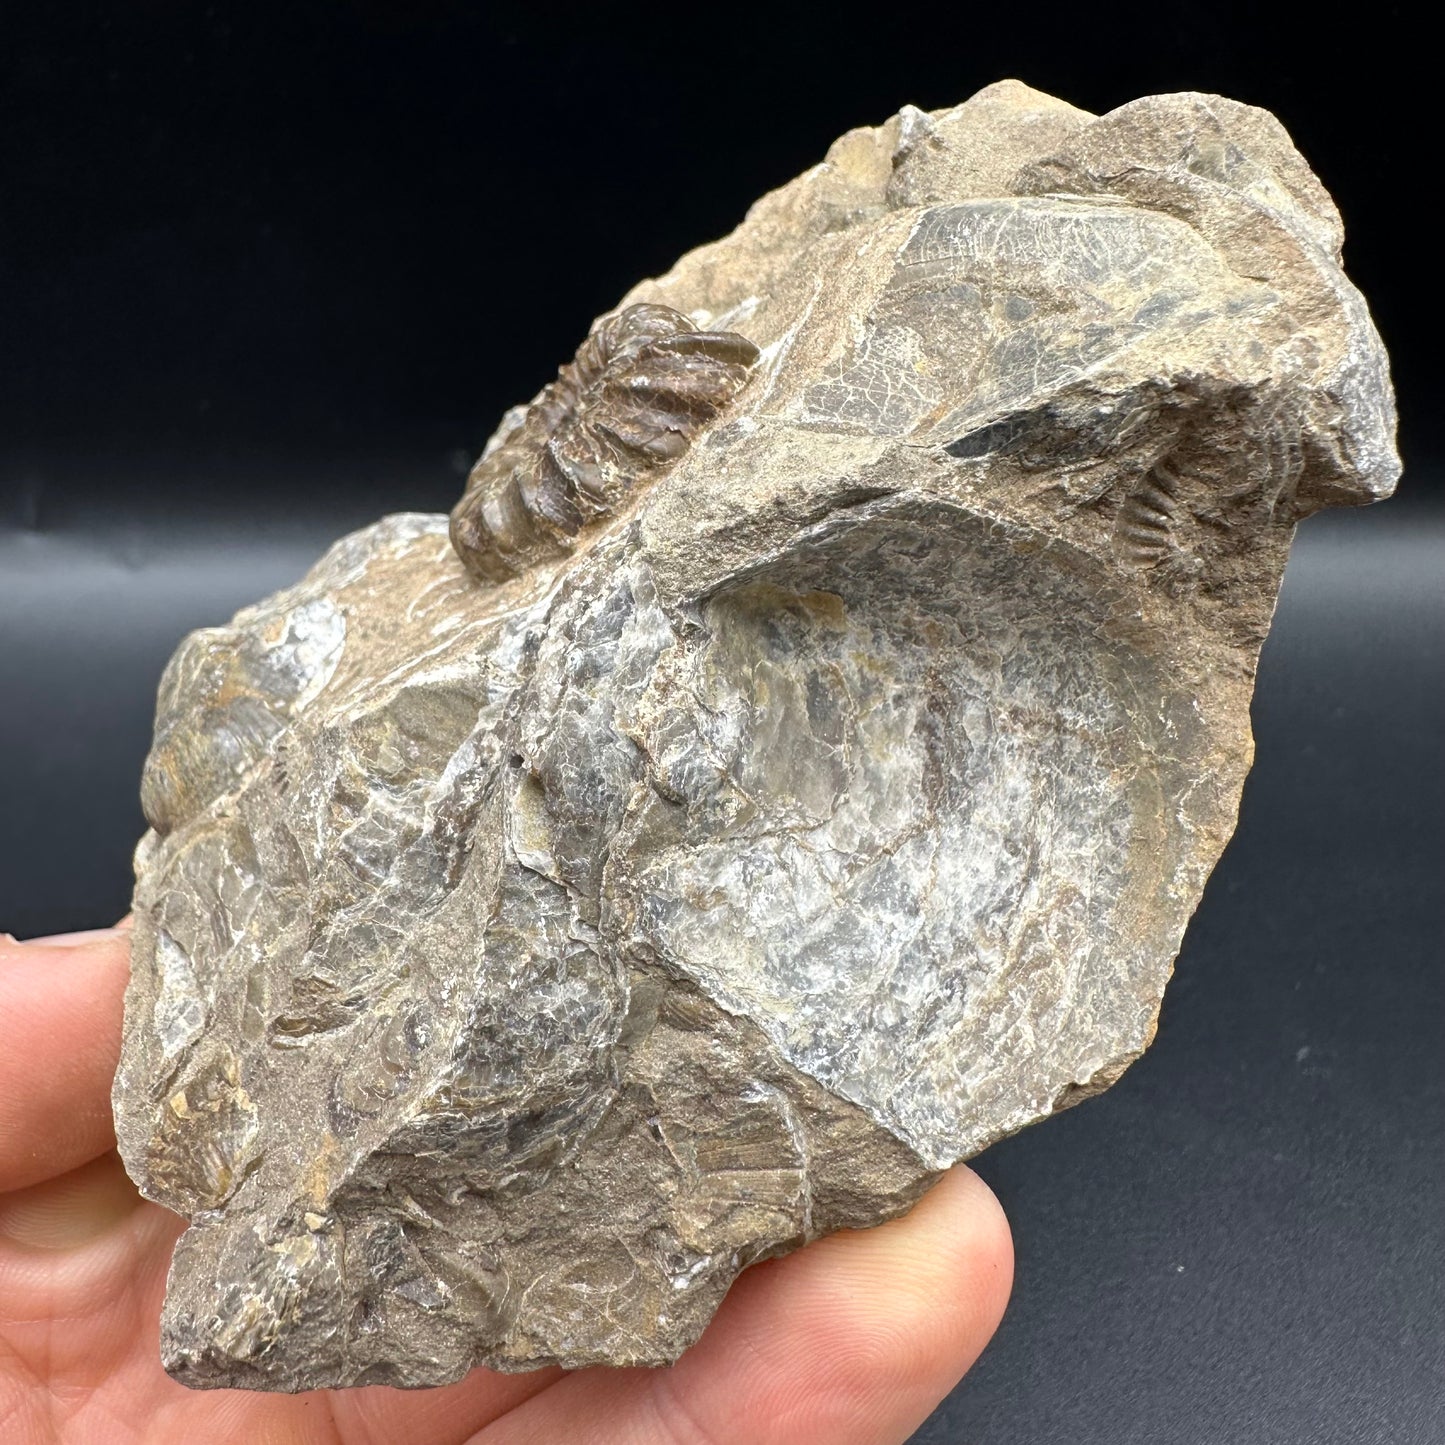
(630, 403)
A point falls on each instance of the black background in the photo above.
(268, 271)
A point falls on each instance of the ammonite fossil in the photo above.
(630, 403)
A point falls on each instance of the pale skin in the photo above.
(851, 1341)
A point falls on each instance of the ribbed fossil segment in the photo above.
(631, 402)
(824, 797)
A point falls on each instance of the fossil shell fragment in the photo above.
(514, 964)
(640, 388)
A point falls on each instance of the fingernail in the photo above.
(76, 940)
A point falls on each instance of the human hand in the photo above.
(851, 1341)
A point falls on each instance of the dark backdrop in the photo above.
(267, 271)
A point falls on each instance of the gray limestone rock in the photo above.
(808, 784)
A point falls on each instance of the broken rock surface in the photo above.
(793, 771)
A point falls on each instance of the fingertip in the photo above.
(952, 1254)
(850, 1341)
(967, 1223)
(860, 1335)
(980, 1263)
(84, 939)
(899, 1313)
(61, 1003)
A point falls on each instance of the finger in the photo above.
(445, 1416)
(70, 940)
(70, 1211)
(83, 1249)
(851, 1341)
(60, 1016)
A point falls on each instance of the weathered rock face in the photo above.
(811, 785)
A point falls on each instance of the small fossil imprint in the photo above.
(205, 1143)
(630, 403)
(1144, 531)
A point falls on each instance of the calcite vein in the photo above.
(794, 770)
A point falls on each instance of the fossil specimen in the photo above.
(641, 386)
(798, 774)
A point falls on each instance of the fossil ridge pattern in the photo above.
(792, 770)
(640, 388)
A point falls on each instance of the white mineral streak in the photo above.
(514, 964)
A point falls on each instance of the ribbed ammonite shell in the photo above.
(640, 389)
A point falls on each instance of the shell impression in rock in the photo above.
(798, 775)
